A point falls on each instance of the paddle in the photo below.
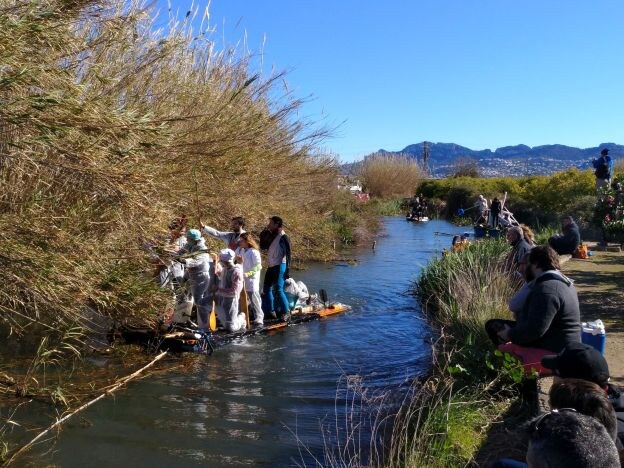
(212, 320)
(245, 306)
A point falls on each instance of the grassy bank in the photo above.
(445, 421)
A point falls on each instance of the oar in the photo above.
(461, 211)
(245, 305)
(212, 320)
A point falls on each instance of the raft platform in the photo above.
(181, 338)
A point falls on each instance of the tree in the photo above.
(465, 166)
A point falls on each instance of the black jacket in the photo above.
(568, 242)
(520, 248)
(550, 318)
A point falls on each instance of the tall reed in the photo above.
(109, 127)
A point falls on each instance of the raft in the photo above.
(180, 338)
(419, 219)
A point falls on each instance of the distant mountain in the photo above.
(507, 160)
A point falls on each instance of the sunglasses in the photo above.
(536, 423)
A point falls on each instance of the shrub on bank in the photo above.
(390, 176)
(534, 200)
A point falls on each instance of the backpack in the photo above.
(581, 252)
(602, 171)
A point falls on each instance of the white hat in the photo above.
(226, 255)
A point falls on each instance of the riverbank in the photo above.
(473, 403)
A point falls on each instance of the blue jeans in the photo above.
(508, 463)
(274, 287)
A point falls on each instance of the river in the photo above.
(245, 403)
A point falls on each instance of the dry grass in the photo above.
(390, 176)
(109, 128)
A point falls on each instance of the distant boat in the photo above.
(417, 219)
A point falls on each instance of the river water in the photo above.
(245, 403)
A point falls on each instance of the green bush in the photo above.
(534, 200)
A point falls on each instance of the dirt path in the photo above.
(599, 281)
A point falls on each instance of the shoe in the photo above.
(285, 318)
(270, 315)
(257, 324)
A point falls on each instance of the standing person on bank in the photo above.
(230, 238)
(603, 167)
(274, 301)
(248, 255)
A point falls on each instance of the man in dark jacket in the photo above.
(495, 210)
(520, 247)
(569, 240)
(550, 318)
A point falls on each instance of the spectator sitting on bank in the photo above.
(520, 247)
(516, 303)
(549, 319)
(567, 439)
(587, 398)
(582, 361)
(569, 240)
(528, 234)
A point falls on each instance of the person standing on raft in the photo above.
(278, 244)
(195, 256)
(227, 287)
(230, 238)
(248, 255)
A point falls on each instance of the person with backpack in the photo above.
(603, 167)
(274, 301)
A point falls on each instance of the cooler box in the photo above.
(593, 334)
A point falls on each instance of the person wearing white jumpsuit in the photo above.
(229, 284)
(198, 265)
(248, 255)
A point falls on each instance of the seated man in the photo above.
(549, 318)
(520, 247)
(587, 398)
(565, 439)
(569, 240)
(582, 361)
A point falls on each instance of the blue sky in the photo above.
(480, 73)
